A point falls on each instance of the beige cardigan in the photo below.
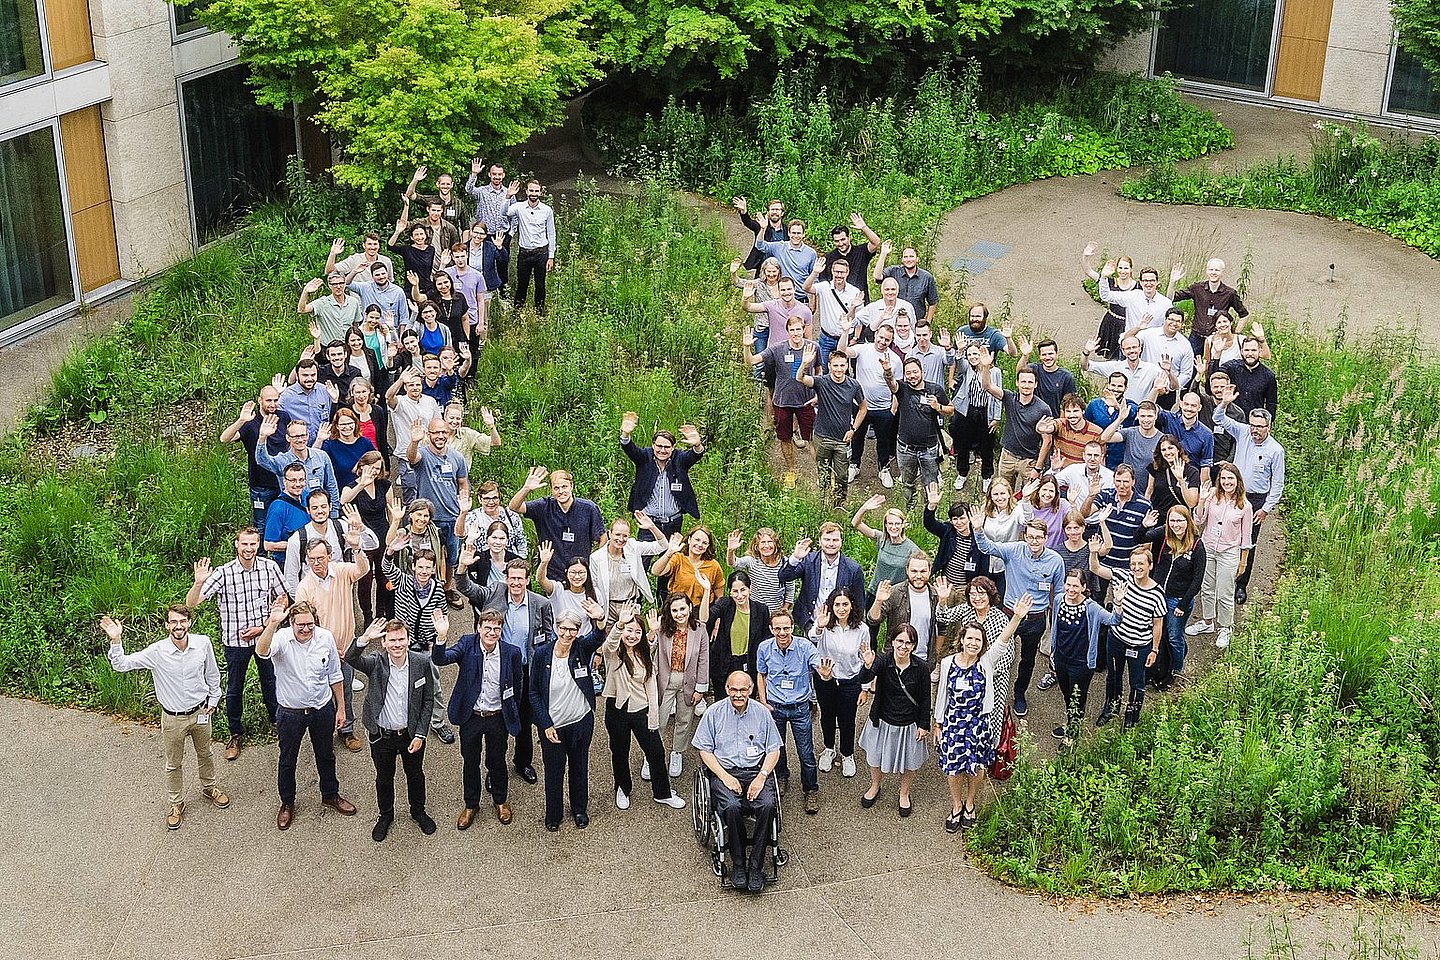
(622, 686)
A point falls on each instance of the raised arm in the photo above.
(878, 274)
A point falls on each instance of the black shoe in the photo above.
(1105, 717)
(739, 879)
(527, 774)
(867, 801)
(952, 822)
(1058, 733)
(552, 827)
(427, 824)
(757, 880)
(904, 810)
(582, 820)
(1240, 595)
(446, 735)
(968, 818)
(382, 827)
(1021, 707)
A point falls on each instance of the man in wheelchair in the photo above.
(740, 744)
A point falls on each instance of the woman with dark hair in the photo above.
(419, 257)
(361, 357)
(738, 624)
(368, 493)
(576, 587)
(451, 309)
(434, 336)
(487, 568)
(983, 609)
(632, 707)
(683, 649)
(1173, 479)
(840, 634)
(1075, 628)
(894, 739)
(341, 440)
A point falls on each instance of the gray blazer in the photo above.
(422, 688)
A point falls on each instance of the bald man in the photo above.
(740, 745)
(442, 476)
(264, 485)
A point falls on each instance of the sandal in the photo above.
(952, 822)
(968, 817)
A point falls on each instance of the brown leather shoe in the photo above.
(285, 816)
(352, 743)
(232, 748)
(217, 797)
(467, 817)
(502, 812)
(340, 805)
(177, 811)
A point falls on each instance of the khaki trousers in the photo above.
(174, 731)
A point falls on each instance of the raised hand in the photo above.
(394, 509)
(314, 330)
(467, 554)
(945, 337)
(1109, 269)
(1092, 345)
(514, 188)
(313, 285)
(734, 541)
(704, 582)
(268, 425)
(675, 542)
(1176, 272)
(885, 247)
(537, 479)
(1023, 605)
(1045, 425)
(857, 221)
(113, 629)
(337, 247)
(802, 546)
(690, 434)
(420, 172)
(867, 657)
(465, 502)
(1152, 518)
(278, 610)
(1117, 593)
(442, 624)
(547, 551)
(487, 417)
(977, 518)
(413, 277)
(1024, 345)
(1103, 514)
(1007, 329)
(592, 609)
(883, 590)
(652, 619)
(202, 569)
(748, 337)
(943, 588)
(875, 502)
(932, 495)
(1097, 543)
(822, 616)
(1091, 248)
(740, 204)
(332, 388)
(476, 166)
(465, 348)
(629, 420)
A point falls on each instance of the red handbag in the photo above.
(1005, 753)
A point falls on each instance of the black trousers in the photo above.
(839, 699)
(733, 809)
(1031, 629)
(237, 664)
(525, 742)
(1074, 677)
(1257, 500)
(291, 727)
(531, 263)
(621, 725)
(573, 751)
(483, 738)
(970, 433)
(385, 749)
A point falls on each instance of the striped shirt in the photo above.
(765, 585)
(1142, 607)
(413, 610)
(243, 596)
(1127, 526)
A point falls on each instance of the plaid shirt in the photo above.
(243, 596)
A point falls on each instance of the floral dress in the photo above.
(964, 745)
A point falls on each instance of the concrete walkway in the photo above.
(93, 873)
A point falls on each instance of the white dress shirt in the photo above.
(395, 713)
(184, 679)
(489, 680)
(304, 671)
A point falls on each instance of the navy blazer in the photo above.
(582, 651)
(471, 657)
(677, 470)
(808, 597)
(944, 531)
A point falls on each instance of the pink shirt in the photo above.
(334, 600)
(1227, 526)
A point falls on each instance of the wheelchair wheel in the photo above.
(782, 857)
(701, 812)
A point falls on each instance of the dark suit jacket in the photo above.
(542, 617)
(808, 572)
(722, 615)
(895, 612)
(471, 656)
(377, 667)
(677, 470)
(582, 651)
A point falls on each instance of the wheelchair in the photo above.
(709, 829)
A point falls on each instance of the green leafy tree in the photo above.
(1418, 23)
(398, 83)
(693, 42)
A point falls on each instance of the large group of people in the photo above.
(1080, 537)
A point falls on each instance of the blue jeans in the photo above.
(798, 716)
(762, 340)
(448, 541)
(827, 347)
(1177, 614)
(260, 500)
(919, 467)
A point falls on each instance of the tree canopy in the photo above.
(398, 83)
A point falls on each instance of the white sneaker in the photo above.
(886, 480)
(801, 443)
(1222, 638)
(960, 481)
(847, 766)
(645, 770)
(674, 764)
(1199, 627)
(852, 474)
(357, 684)
(622, 801)
(672, 801)
(827, 761)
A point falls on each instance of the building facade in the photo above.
(1331, 56)
(128, 138)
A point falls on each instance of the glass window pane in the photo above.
(1225, 42)
(1412, 88)
(237, 149)
(186, 20)
(21, 53)
(34, 243)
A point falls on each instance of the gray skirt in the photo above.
(893, 749)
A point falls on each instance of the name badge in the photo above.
(567, 536)
(1132, 653)
(1212, 311)
(789, 358)
(258, 504)
(507, 693)
(753, 750)
(969, 566)
(675, 485)
(419, 683)
(787, 684)
(624, 569)
(582, 672)
(202, 718)
(447, 467)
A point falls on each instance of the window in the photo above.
(35, 275)
(236, 149)
(22, 53)
(1226, 43)
(186, 20)
(1412, 88)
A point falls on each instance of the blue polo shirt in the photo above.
(787, 672)
(1127, 527)
(1198, 442)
